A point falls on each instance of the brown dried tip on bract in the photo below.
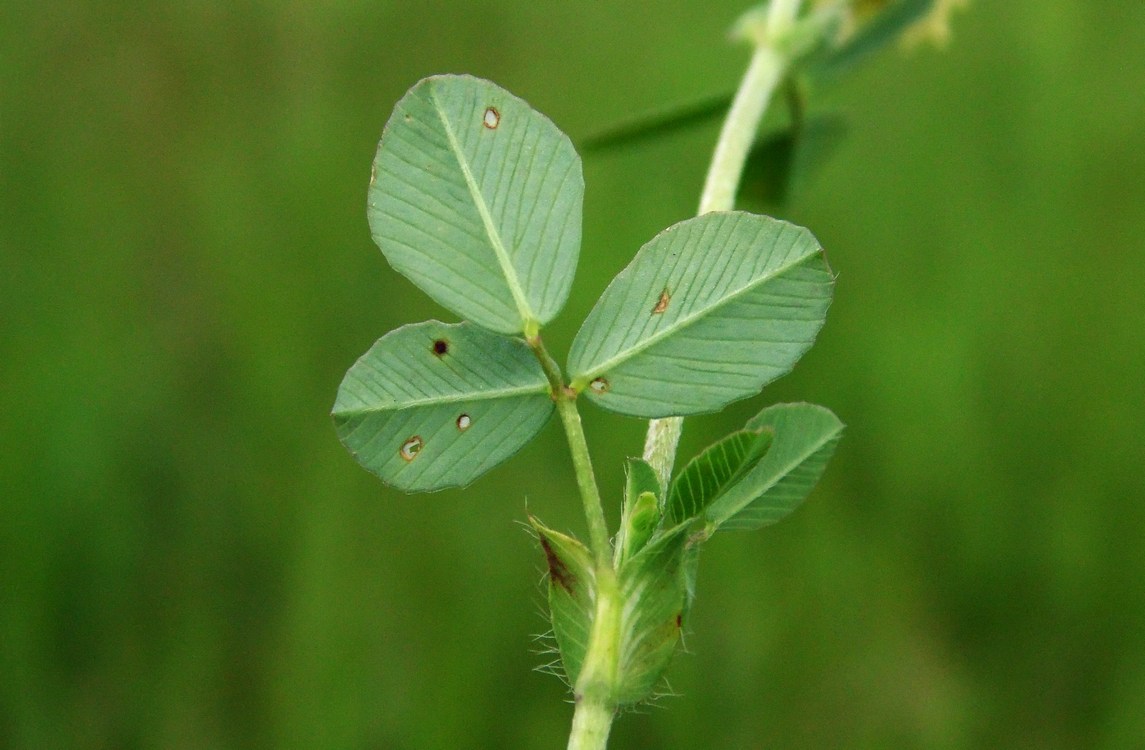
(411, 448)
(463, 422)
(440, 347)
(600, 385)
(558, 571)
(492, 118)
(662, 303)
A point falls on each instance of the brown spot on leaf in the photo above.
(440, 347)
(558, 571)
(662, 303)
(492, 118)
(411, 448)
(679, 619)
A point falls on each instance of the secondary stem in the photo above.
(565, 399)
(586, 481)
(764, 73)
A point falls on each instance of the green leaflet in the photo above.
(708, 312)
(805, 436)
(571, 595)
(432, 405)
(476, 198)
(710, 474)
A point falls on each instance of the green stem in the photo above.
(595, 704)
(565, 399)
(594, 690)
(586, 480)
(764, 74)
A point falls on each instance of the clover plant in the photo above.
(476, 198)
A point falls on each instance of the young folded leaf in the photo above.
(571, 595)
(476, 198)
(709, 475)
(641, 513)
(805, 436)
(432, 405)
(708, 312)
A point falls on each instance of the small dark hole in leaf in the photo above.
(492, 118)
(440, 347)
(600, 385)
(411, 448)
(463, 422)
(662, 303)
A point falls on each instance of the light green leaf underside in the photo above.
(710, 474)
(571, 595)
(476, 198)
(805, 436)
(653, 589)
(708, 312)
(458, 398)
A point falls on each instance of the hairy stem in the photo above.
(764, 73)
(594, 689)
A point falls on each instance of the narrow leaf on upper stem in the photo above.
(884, 27)
(708, 312)
(660, 122)
(805, 436)
(476, 198)
(432, 405)
(572, 585)
(781, 162)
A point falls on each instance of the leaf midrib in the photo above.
(503, 260)
(455, 398)
(688, 320)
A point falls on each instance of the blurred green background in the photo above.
(189, 559)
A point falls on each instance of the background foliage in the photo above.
(188, 557)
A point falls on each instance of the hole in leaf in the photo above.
(662, 303)
(463, 422)
(440, 347)
(411, 448)
(492, 118)
(600, 385)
